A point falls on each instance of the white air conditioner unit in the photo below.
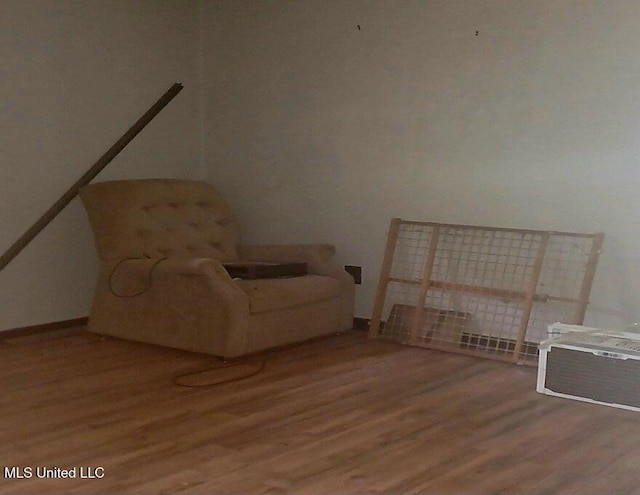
(591, 365)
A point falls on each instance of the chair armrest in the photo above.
(192, 303)
(128, 277)
(318, 257)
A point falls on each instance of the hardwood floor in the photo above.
(339, 415)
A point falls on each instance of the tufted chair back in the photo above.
(158, 218)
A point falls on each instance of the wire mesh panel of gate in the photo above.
(483, 291)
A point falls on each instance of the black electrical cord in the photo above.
(177, 379)
(149, 277)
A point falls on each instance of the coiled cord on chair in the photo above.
(149, 277)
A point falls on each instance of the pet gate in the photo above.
(484, 291)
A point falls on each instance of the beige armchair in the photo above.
(161, 245)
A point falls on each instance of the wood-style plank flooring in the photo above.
(341, 415)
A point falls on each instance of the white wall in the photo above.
(75, 75)
(319, 131)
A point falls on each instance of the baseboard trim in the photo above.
(358, 324)
(13, 333)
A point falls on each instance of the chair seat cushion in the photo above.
(272, 294)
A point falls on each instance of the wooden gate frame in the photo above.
(527, 297)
